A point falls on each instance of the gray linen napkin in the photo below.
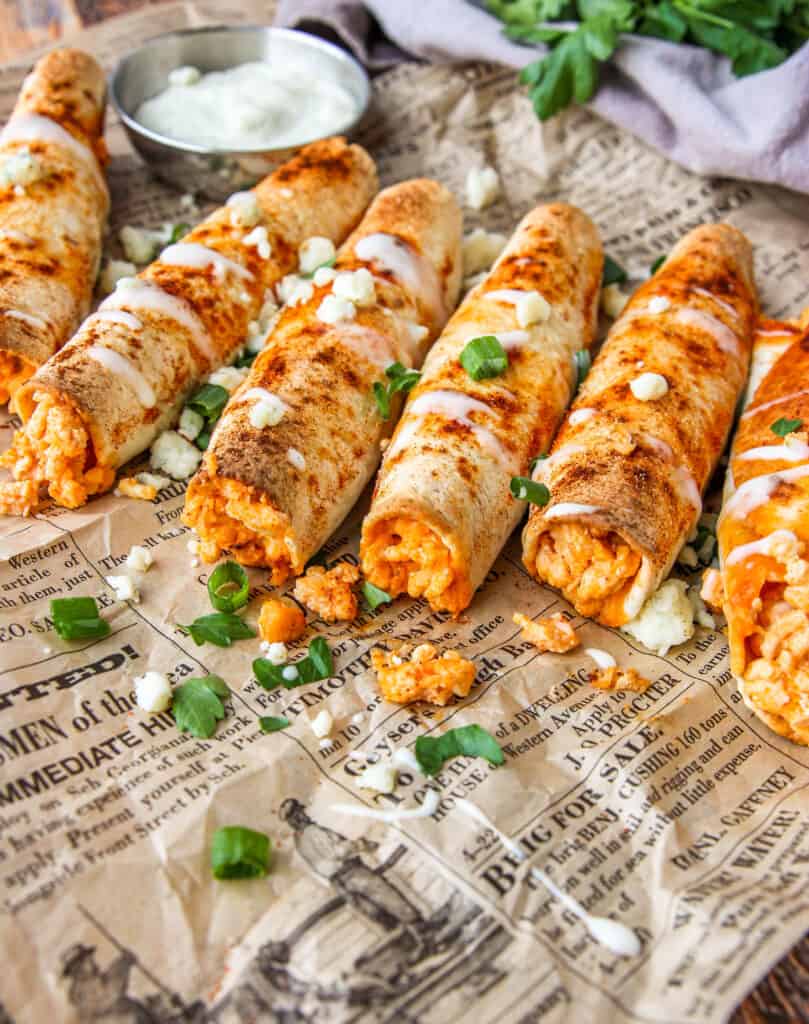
(680, 99)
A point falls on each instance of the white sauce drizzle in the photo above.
(119, 317)
(427, 810)
(413, 271)
(512, 339)
(720, 302)
(614, 936)
(581, 416)
(261, 395)
(775, 401)
(798, 451)
(764, 546)
(121, 367)
(145, 295)
(37, 128)
(724, 337)
(570, 508)
(561, 453)
(686, 487)
(660, 447)
(602, 658)
(11, 235)
(752, 493)
(404, 758)
(26, 318)
(509, 295)
(454, 406)
(368, 343)
(200, 257)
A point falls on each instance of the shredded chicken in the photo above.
(425, 675)
(403, 556)
(554, 633)
(280, 621)
(18, 498)
(14, 371)
(54, 448)
(589, 567)
(132, 488)
(712, 591)
(330, 594)
(616, 678)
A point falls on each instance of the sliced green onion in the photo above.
(523, 488)
(271, 723)
(179, 231)
(77, 618)
(238, 852)
(658, 263)
(484, 357)
(583, 363)
(209, 401)
(375, 596)
(202, 440)
(784, 426)
(614, 273)
(401, 379)
(228, 587)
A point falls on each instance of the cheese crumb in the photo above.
(139, 558)
(185, 75)
(21, 168)
(140, 244)
(613, 300)
(665, 620)
(276, 653)
(152, 692)
(153, 480)
(602, 658)
(482, 187)
(380, 777)
(658, 304)
(302, 292)
(532, 308)
(115, 272)
(124, 587)
(702, 616)
(245, 211)
(357, 286)
(290, 673)
(333, 309)
(322, 723)
(324, 275)
(296, 459)
(259, 239)
(228, 377)
(314, 253)
(267, 412)
(480, 249)
(172, 454)
(191, 424)
(649, 386)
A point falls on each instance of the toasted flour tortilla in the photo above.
(87, 412)
(271, 495)
(442, 508)
(51, 229)
(626, 474)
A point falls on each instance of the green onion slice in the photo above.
(77, 618)
(238, 852)
(583, 363)
(228, 587)
(523, 488)
(209, 401)
(784, 426)
(272, 723)
(614, 273)
(484, 357)
(658, 263)
(179, 231)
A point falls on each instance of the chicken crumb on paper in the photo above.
(616, 678)
(130, 487)
(330, 594)
(426, 675)
(280, 621)
(554, 633)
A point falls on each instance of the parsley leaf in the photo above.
(219, 628)
(784, 426)
(197, 705)
(401, 379)
(318, 664)
(271, 723)
(467, 741)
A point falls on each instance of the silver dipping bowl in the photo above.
(217, 173)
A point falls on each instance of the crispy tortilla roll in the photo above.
(629, 465)
(122, 379)
(53, 207)
(301, 437)
(442, 509)
(763, 534)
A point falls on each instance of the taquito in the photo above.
(763, 534)
(442, 509)
(122, 379)
(272, 493)
(628, 467)
(53, 207)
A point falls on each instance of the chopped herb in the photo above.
(228, 587)
(179, 231)
(382, 398)
(784, 426)
(484, 357)
(246, 359)
(270, 723)
(318, 664)
(375, 596)
(401, 379)
(202, 440)
(238, 852)
(197, 705)
(532, 465)
(467, 741)
(614, 273)
(321, 658)
(523, 488)
(220, 628)
(77, 618)
(209, 401)
(583, 363)
(658, 263)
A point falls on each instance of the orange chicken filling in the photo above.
(330, 594)
(615, 678)
(554, 633)
(231, 516)
(404, 556)
(53, 449)
(14, 371)
(280, 621)
(425, 675)
(593, 569)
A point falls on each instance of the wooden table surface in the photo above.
(783, 996)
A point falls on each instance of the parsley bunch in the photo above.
(582, 34)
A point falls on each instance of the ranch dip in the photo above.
(251, 106)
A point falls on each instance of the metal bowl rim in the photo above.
(133, 125)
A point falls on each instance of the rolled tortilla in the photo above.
(271, 495)
(763, 535)
(442, 509)
(123, 378)
(627, 469)
(53, 207)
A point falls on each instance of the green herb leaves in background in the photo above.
(197, 705)
(467, 741)
(238, 852)
(318, 664)
(77, 618)
(401, 379)
(220, 628)
(582, 34)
